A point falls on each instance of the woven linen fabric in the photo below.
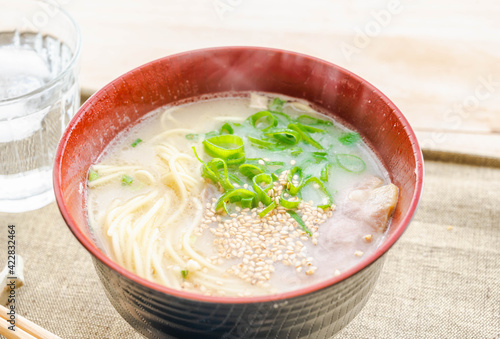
(438, 281)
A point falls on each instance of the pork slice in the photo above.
(372, 202)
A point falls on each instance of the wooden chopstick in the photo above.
(9, 334)
(25, 329)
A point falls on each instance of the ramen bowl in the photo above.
(318, 310)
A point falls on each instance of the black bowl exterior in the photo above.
(320, 314)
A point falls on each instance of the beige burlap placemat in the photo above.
(437, 282)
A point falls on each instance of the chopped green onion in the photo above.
(234, 196)
(211, 134)
(136, 142)
(274, 131)
(319, 159)
(192, 136)
(250, 170)
(93, 175)
(296, 151)
(207, 171)
(258, 180)
(318, 184)
(289, 203)
(236, 160)
(279, 148)
(224, 146)
(226, 129)
(184, 274)
(324, 172)
(262, 142)
(246, 202)
(349, 138)
(274, 166)
(276, 105)
(305, 136)
(295, 189)
(235, 179)
(127, 180)
(282, 117)
(299, 220)
(215, 165)
(305, 119)
(285, 135)
(268, 209)
(228, 147)
(351, 163)
(310, 128)
(262, 118)
(323, 154)
(319, 156)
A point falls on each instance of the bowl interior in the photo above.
(205, 72)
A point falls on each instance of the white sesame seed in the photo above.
(358, 253)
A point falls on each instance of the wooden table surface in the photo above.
(438, 60)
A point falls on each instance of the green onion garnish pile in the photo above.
(247, 159)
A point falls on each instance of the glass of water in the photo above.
(39, 94)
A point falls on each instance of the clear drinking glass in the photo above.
(39, 94)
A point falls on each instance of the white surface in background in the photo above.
(429, 57)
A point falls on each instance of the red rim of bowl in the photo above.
(387, 244)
